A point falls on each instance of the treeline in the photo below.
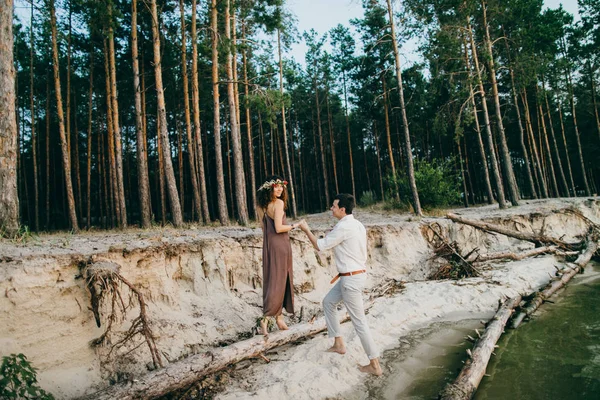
(134, 113)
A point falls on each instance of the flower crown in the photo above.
(272, 183)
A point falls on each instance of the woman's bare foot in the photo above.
(372, 368)
(281, 323)
(264, 329)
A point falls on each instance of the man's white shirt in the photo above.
(349, 242)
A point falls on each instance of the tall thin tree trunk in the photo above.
(331, 141)
(61, 124)
(534, 151)
(462, 173)
(547, 143)
(486, 116)
(593, 85)
(320, 133)
(9, 198)
(564, 137)
(89, 143)
(408, 147)
(162, 116)
(577, 136)
(238, 162)
(561, 171)
(513, 190)
(47, 225)
(199, 155)
(221, 199)
(249, 126)
(188, 121)
(389, 138)
(142, 154)
(33, 124)
(486, 172)
(348, 135)
(112, 181)
(289, 173)
(376, 138)
(180, 166)
(116, 129)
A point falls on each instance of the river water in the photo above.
(556, 355)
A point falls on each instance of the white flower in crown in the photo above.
(272, 183)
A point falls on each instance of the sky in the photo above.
(322, 15)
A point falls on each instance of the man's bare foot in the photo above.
(264, 329)
(337, 349)
(281, 324)
(372, 368)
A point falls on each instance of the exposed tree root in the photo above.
(104, 282)
(458, 266)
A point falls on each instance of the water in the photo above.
(554, 356)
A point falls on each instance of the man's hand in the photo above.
(306, 229)
(304, 226)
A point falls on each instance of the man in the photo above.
(348, 239)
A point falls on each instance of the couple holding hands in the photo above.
(348, 239)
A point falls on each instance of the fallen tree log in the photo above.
(539, 239)
(554, 285)
(184, 373)
(467, 381)
(509, 255)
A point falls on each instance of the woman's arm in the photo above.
(279, 226)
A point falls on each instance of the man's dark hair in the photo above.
(346, 201)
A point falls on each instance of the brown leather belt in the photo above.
(335, 278)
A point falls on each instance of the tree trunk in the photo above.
(535, 154)
(162, 117)
(319, 132)
(180, 167)
(564, 137)
(331, 140)
(61, 124)
(238, 162)
(112, 181)
(462, 174)
(142, 155)
(221, 199)
(47, 225)
(89, 143)
(513, 190)
(199, 155)
(467, 381)
(389, 138)
(348, 136)
(375, 137)
(486, 172)
(488, 127)
(33, 132)
(547, 143)
(593, 85)
(408, 147)
(577, 137)
(188, 123)
(563, 179)
(289, 173)
(249, 127)
(9, 198)
(117, 129)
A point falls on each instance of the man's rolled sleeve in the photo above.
(332, 239)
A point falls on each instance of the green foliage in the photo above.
(367, 199)
(18, 379)
(438, 183)
(22, 235)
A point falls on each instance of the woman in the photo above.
(278, 284)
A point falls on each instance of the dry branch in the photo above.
(465, 385)
(451, 252)
(539, 239)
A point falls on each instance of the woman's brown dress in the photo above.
(278, 282)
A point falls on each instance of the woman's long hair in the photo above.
(266, 196)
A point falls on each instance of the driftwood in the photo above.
(465, 385)
(539, 239)
(552, 287)
(508, 255)
(186, 372)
